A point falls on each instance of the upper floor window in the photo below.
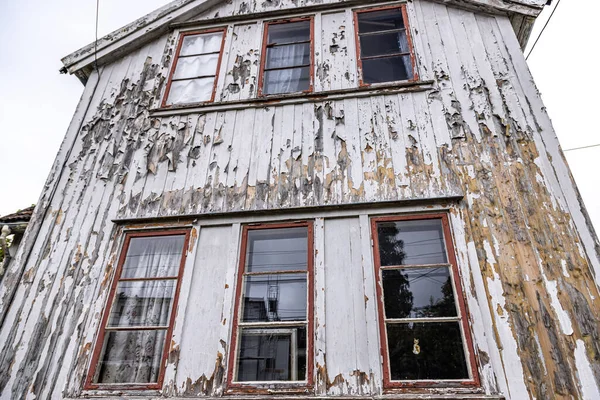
(132, 344)
(287, 60)
(385, 51)
(193, 78)
(424, 333)
(272, 331)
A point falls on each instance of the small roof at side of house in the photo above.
(143, 30)
(21, 216)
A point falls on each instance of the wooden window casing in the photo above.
(266, 45)
(263, 387)
(98, 348)
(467, 342)
(182, 36)
(357, 36)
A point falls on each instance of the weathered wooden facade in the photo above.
(467, 140)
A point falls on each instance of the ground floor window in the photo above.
(131, 348)
(424, 335)
(272, 330)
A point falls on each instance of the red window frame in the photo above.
(234, 386)
(89, 385)
(401, 7)
(467, 339)
(182, 35)
(263, 60)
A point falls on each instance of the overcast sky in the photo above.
(36, 102)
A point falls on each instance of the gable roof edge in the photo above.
(128, 37)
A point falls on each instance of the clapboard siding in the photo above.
(526, 256)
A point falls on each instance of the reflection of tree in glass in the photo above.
(398, 297)
(444, 307)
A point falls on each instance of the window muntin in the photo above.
(132, 344)
(194, 73)
(384, 45)
(424, 333)
(287, 62)
(273, 320)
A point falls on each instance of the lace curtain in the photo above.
(134, 356)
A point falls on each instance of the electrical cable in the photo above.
(542, 31)
(582, 147)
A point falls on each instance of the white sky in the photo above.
(36, 102)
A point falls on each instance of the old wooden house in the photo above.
(307, 199)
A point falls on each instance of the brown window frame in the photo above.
(182, 35)
(401, 7)
(291, 386)
(89, 385)
(467, 340)
(263, 60)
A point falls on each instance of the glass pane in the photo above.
(279, 297)
(411, 242)
(130, 357)
(288, 56)
(387, 69)
(418, 293)
(383, 43)
(191, 91)
(190, 67)
(142, 303)
(199, 44)
(274, 354)
(289, 32)
(380, 20)
(287, 80)
(426, 351)
(153, 257)
(284, 249)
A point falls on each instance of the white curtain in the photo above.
(285, 80)
(135, 356)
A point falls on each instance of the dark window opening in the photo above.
(423, 329)
(385, 50)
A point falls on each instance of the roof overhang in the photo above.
(143, 30)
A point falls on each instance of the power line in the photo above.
(542, 31)
(582, 147)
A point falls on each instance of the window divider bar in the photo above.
(385, 56)
(381, 32)
(425, 319)
(276, 44)
(166, 278)
(295, 271)
(192, 78)
(276, 324)
(292, 67)
(137, 328)
(199, 54)
(415, 266)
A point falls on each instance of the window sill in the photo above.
(295, 98)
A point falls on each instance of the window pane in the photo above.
(275, 354)
(287, 80)
(190, 67)
(387, 69)
(383, 43)
(418, 293)
(153, 257)
(380, 20)
(411, 242)
(289, 32)
(199, 44)
(279, 297)
(426, 351)
(142, 303)
(191, 91)
(131, 357)
(283, 249)
(288, 56)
